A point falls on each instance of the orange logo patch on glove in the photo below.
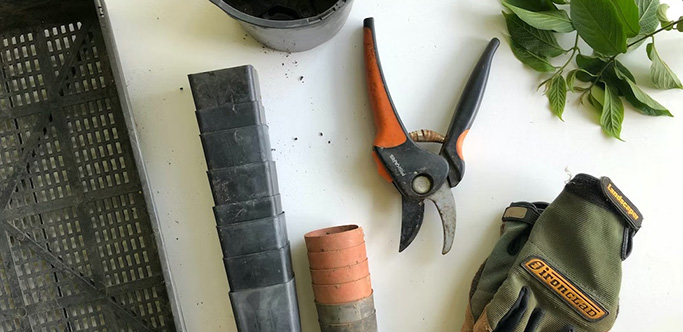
(572, 295)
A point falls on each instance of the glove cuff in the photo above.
(602, 192)
(605, 194)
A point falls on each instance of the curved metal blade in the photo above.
(445, 203)
(411, 221)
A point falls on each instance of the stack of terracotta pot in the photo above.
(341, 279)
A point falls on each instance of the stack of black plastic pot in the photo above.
(251, 224)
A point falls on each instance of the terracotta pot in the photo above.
(343, 293)
(340, 275)
(334, 238)
(337, 258)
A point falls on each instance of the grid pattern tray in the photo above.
(78, 247)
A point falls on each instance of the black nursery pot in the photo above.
(286, 25)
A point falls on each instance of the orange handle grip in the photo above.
(390, 131)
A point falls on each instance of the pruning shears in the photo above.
(417, 173)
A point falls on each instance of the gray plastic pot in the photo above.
(345, 313)
(291, 35)
(268, 309)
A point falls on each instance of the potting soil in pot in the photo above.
(282, 10)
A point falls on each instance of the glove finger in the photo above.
(514, 316)
(534, 320)
(518, 221)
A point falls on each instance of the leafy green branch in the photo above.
(610, 28)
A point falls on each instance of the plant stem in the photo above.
(656, 32)
(614, 57)
(574, 50)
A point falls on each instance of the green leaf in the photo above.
(533, 5)
(644, 108)
(627, 10)
(535, 61)
(589, 63)
(639, 99)
(556, 91)
(556, 20)
(662, 17)
(561, 2)
(679, 26)
(596, 97)
(598, 94)
(594, 102)
(609, 76)
(571, 79)
(591, 67)
(647, 9)
(622, 70)
(612, 113)
(649, 48)
(597, 22)
(542, 43)
(662, 76)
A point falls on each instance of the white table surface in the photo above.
(516, 151)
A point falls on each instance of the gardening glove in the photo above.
(567, 276)
(516, 225)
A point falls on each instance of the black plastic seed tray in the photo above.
(79, 249)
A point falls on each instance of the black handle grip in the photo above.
(465, 113)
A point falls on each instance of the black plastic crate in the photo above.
(78, 247)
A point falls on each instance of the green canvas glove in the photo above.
(517, 222)
(567, 276)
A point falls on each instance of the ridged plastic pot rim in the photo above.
(340, 274)
(293, 35)
(281, 24)
(337, 258)
(343, 293)
(368, 324)
(334, 238)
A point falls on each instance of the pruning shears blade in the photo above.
(411, 221)
(445, 203)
